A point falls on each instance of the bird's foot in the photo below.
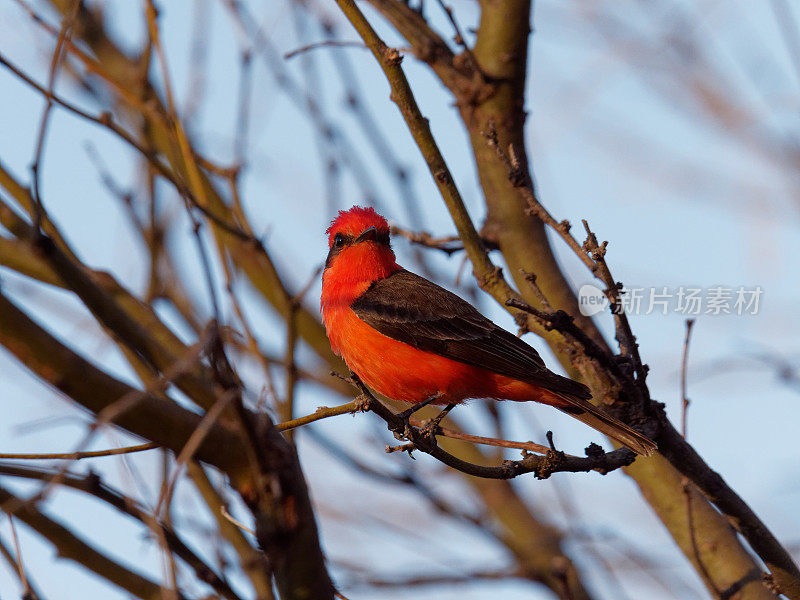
(361, 404)
(406, 414)
(429, 429)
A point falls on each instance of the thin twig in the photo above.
(591, 253)
(191, 446)
(190, 161)
(81, 455)
(253, 562)
(338, 139)
(448, 244)
(323, 412)
(73, 547)
(106, 120)
(252, 345)
(684, 366)
(239, 524)
(198, 62)
(459, 37)
(28, 590)
(289, 363)
(55, 63)
(18, 552)
(122, 405)
(403, 96)
(242, 114)
(486, 441)
(416, 580)
(537, 291)
(324, 44)
(360, 405)
(385, 150)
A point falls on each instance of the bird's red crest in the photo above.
(354, 221)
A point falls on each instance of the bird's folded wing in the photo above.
(415, 311)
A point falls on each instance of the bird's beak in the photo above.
(369, 234)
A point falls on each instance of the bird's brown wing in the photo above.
(415, 311)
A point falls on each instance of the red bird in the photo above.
(409, 339)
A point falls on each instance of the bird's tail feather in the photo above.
(604, 423)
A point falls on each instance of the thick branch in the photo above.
(684, 457)
(152, 417)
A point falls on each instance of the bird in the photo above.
(415, 342)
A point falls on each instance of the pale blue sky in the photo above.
(682, 203)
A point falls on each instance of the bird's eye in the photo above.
(338, 240)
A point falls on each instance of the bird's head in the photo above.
(359, 254)
(357, 233)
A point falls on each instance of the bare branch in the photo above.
(684, 368)
(28, 590)
(93, 485)
(541, 466)
(324, 44)
(55, 63)
(72, 547)
(81, 455)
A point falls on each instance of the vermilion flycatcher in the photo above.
(409, 339)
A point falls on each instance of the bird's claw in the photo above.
(404, 431)
(432, 425)
(362, 404)
(406, 414)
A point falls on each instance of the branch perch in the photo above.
(542, 466)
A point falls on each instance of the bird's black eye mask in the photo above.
(342, 240)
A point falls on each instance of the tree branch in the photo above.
(81, 455)
(94, 486)
(71, 547)
(541, 466)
